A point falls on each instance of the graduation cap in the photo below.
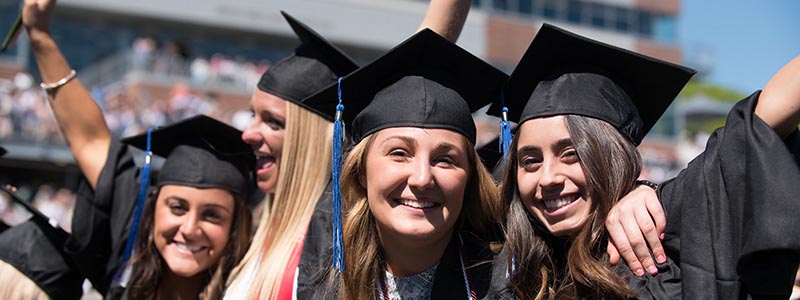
(35, 248)
(200, 152)
(564, 73)
(315, 64)
(426, 81)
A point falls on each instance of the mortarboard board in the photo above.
(201, 152)
(315, 64)
(564, 73)
(35, 248)
(426, 81)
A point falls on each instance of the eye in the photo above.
(398, 152)
(212, 216)
(445, 161)
(530, 163)
(177, 209)
(275, 123)
(570, 156)
(252, 113)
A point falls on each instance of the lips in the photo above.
(554, 205)
(416, 203)
(188, 249)
(264, 162)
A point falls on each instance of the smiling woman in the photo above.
(417, 202)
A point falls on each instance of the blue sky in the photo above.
(749, 40)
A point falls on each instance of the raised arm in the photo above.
(446, 17)
(779, 102)
(80, 119)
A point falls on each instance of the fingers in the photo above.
(656, 211)
(613, 253)
(650, 232)
(620, 239)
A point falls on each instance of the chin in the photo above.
(185, 269)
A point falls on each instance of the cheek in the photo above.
(218, 234)
(526, 184)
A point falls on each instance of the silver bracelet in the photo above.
(49, 87)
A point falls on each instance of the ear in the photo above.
(362, 179)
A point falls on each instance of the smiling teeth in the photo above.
(417, 204)
(185, 247)
(559, 203)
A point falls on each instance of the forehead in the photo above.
(421, 136)
(198, 196)
(262, 100)
(543, 131)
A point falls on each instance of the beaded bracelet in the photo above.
(649, 183)
(49, 87)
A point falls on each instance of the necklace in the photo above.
(422, 283)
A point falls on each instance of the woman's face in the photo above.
(415, 181)
(192, 227)
(265, 135)
(551, 181)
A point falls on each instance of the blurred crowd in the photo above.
(56, 203)
(173, 59)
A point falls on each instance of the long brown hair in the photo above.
(149, 266)
(547, 267)
(363, 252)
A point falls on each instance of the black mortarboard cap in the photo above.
(426, 81)
(201, 152)
(315, 64)
(35, 248)
(564, 73)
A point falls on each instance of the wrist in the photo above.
(40, 39)
(647, 183)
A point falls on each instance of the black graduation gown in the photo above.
(732, 224)
(102, 218)
(317, 248)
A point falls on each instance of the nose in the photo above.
(190, 227)
(250, 134)
(421, 176)
(551, 175)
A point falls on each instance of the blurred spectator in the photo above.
(56, 204)
(143, 48)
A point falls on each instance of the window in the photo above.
(551, 9)
(526, 7)
(598, 12)
(622, 19)
(574, 11)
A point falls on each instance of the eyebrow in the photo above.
(184, 201)
(562, 143)
(446, 146)
(405, 139)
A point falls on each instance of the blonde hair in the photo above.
(304, 173)
(363, 251)
(16, 286)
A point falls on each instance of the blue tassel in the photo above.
(338, 139)
(505, 127)
(137, 213)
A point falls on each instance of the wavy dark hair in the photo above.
(576, 267)
(149, 266)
